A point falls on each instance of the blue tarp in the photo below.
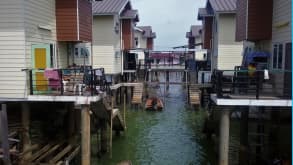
(250, 56)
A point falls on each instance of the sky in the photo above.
(170, 19)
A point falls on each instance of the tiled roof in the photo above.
(147, 31)
(108, 7)
(223, 5)
(130, 14)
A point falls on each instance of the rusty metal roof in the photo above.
(108, 7)
(223, 5)
(130, 14)
(147, 31)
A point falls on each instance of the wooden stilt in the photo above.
(104, 139)
(224, 137)
(4, 134)
(243, 156)
(71, 121)
(26, 142)
(85, 135)
(124, 110)
(111, 127)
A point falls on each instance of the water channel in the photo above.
(171, 137)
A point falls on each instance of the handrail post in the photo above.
(257, 83)
(61, 82)
(92, 87)
(219, 77)
(31, 81)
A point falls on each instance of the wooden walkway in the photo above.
(137, 94)
(194, 95)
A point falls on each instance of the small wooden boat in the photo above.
(154, 104)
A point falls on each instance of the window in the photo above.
(136, 41)
(278, 56)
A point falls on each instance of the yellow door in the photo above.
(41, 61)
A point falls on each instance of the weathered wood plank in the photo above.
(61, 154)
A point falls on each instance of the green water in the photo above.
(171, 137)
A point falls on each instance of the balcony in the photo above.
(79, 81)
(255, 88)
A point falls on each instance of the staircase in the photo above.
(137, 94)
(118, 123)
(194, 95)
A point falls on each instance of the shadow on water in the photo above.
(171, 137)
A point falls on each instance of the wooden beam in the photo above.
(26, 142)
(49, 152)
(4, 134)
(85, 135)
(40, 152)
(72, 155)
(61, 154)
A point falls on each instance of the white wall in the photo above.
(229, 52)
(142, 42)
(105, 43)
(281, 33)
(40, 12)
(12, 46)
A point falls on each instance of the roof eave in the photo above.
(104, 14)
(123, 7)
(226, 12)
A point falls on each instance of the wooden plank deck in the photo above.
(194, 95)
(137, 94)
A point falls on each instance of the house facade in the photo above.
(39, 39)
(146, 37)
(219, 20)
(113, 34)
(268, 28)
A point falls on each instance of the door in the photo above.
(288, 67)
(41, 59)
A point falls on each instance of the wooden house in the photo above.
(266, 26)
(43, 38)
(113, 34)
(219, 19)
(148, 37)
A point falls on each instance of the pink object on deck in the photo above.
(53, 78)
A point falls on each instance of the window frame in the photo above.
(277, 54)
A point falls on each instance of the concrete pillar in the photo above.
(224, 137)
(85, 135)
(25, 120)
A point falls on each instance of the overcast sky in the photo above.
(170, 19)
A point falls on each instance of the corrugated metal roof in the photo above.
(223, 5)
(203, 12)
(148, 31)
(110, 7)
(130, 14)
